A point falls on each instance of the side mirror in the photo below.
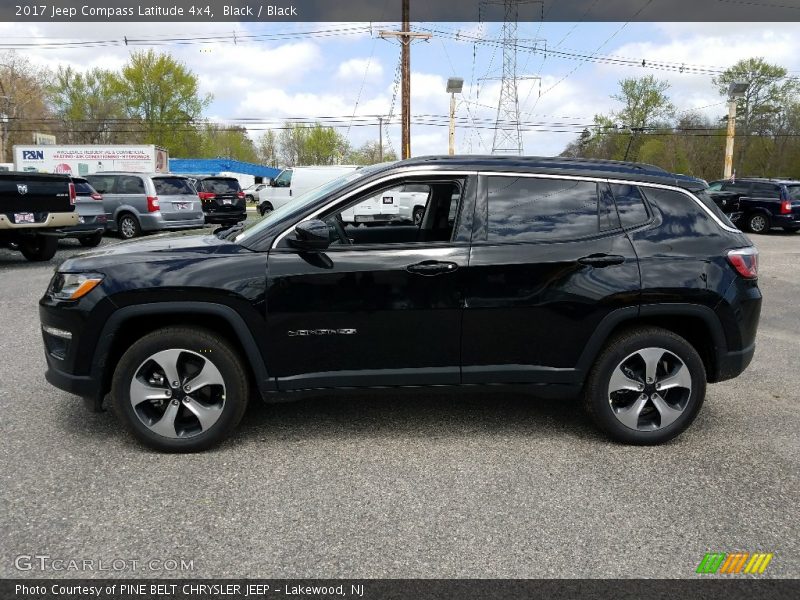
(311, 235)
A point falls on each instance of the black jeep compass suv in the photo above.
(619, 282)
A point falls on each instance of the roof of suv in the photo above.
(588, 167)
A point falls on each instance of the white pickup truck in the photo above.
(398, 205)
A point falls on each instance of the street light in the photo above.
(735, 90)
(454, 86)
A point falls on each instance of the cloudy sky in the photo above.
(346, 69)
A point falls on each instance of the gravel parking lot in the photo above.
(489, 486)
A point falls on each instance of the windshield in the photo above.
(302, 202)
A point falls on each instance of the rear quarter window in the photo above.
(794, 191)
(630, 204)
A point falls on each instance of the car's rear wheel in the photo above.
(128, 227)
(180, 389)
(90, 241)
(38, 248)
(646, 387)
(264, 208)
(758, 223)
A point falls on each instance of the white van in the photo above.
(293, 183)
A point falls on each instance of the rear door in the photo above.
(549, 261)
(177, 199)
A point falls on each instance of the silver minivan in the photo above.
(139, 202)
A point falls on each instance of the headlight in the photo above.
(71, 286)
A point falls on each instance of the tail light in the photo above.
(786, 207)
(73, 195)
(206, 195)
(745, 261)
(152, 204)
(240, 194)
(96, 196)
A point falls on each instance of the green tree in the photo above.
(314, 145)
(22, 102)
(369, 154)
(267, 148)
(226, 142)
(762, 110)
(645, 105)
(163, 95)
(88, 107)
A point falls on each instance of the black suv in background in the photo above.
(758, 204)
(223, 199)
(619, 282)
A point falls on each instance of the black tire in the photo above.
(758, 223)
(417, 215)
(91, 241)
(264, 208)
(620, 348)
(195, 342)
(249, 198)
(128, 226)
(38, 248)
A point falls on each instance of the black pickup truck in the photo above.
(758, 204)
(34, 207)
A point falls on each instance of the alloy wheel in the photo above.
(758, 224)
(127, 227)
(649, 389)
(178, 393)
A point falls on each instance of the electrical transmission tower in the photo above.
(507, 136)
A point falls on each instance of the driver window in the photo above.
(413, 212)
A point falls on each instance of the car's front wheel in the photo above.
(646, 387)
(180, 390)
(264, 208)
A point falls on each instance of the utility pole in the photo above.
(380, 139)
(405, 37)
(735, 91)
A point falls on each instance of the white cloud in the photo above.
(356, 68)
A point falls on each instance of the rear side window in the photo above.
(794, 192)
(129, 185)
(630, 204)
(220, 186)
(172, 186)
(766, 190)
(526, 209)
(102, 183)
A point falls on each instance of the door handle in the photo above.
(432, 267)
(602, 260)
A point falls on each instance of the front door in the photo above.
(381, 307)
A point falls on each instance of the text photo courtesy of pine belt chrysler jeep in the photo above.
(618, 282)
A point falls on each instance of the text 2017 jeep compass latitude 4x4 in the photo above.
(617, 281)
